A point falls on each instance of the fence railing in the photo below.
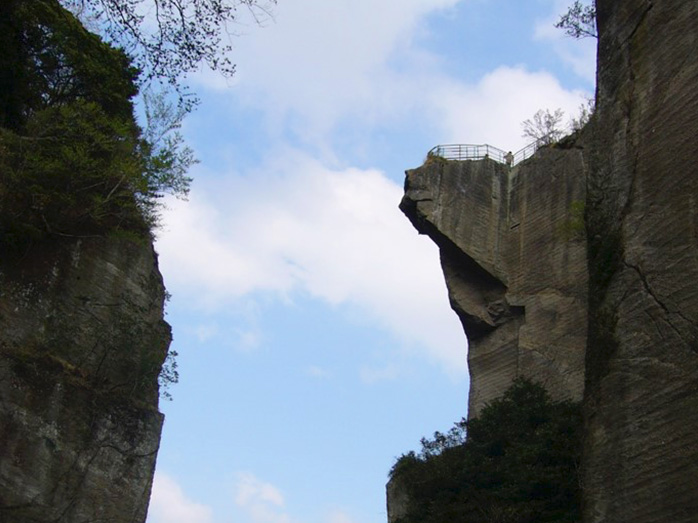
(459, 151)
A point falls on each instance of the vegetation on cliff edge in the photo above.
(515, 463)
(73, 160)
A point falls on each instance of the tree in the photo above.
(579, 21)
(48, 59)
(516, 463)
(586, 111)
(73, 160)
(544, 128)
(170, 38)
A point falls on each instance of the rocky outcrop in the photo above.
(640, 460)
(641, 455)
(513, 252)
(397, 500)
(82, 342)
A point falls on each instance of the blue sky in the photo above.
(312, 323)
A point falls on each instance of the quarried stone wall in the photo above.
(82, 341)
(513, 251)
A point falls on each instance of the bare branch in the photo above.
(544, 128)
(171, 38)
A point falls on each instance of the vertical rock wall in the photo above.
(517, 285)
(514, 256)
(82, 341)
(641, 400)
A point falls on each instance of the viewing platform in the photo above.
(463, 152)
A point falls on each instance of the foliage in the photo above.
(74, 171)
(48, 59)
(433, 158)
(169, 375)
(586, 111)
(170, 38)
(73, 161)
(544, 128)
(579, 21)
(169, 159)
(515, 463)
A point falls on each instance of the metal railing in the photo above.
(527, 152)
(480, 152)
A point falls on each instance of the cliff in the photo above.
(513, 253)
(82, 342)
(520, 287)
(641, 400)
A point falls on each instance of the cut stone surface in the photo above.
(513, 252)
(641, 455)
(82, 341)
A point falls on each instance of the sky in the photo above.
(315, 340)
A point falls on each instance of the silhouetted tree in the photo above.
(169, 38)
(544, 128)
(579, 21)
(586, 111)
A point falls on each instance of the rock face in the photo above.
(513, 253)
(82, 341)
(517, 287)
(397, 500)
(641, 399)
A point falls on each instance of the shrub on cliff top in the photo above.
(73, 160)
(516, 463)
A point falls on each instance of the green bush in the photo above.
(48, 59)
(75, 171)
(516, 463)
(73, 161)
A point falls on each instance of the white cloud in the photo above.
(492, 111)
(169, 504)
(295, 225)
(308, 77)
(251, 490)
(262, 501)
(303, 228)
(321, 61)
